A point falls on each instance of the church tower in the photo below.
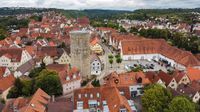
(80, 52)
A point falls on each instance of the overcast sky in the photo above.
(102, 4)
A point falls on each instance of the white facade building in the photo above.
(96, 65)
(13, 58)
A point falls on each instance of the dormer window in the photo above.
(91, 95)
(98, 95)
(67, 78)
(123, 110)
(79, 95)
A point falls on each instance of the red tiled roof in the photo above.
(94, 41)
(165, 77)
(64, 71)
(153, 46)
(178, 75)
(6, 82)
(38, 102)
(47, 51)
(115, 101)
(126, 79)
(2, 71)
(152, 76)
(18, 103)
(193, 74)
(31, 50)
(13, 53)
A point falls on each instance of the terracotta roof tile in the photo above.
(65, 71)
(38, 102)
(153, 46)
(13, 53)
(126, 79)
(193, 74)
(165, 77)
(6, 82)
(115, 101)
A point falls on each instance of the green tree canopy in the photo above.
(110, 56)
(119, 60)
(96, 83)
(156, 98)
(111, 62)
(181, 104)
(49, 82)
(21, 88)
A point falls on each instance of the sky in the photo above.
(102, 4)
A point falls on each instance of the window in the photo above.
(79, 95)
(74, 76)
(123, 110)
(79, 105)
(98, 95)
(93, 104)
(91, 95)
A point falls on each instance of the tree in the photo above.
(96, 83)
(117, 56)
(119, 60)
(84, 83)
(21, 88)
(133, 30)
(181, 104)
(156, 98)
(18, 85)
(35, 72)
(62, 45)
(13, 93)
(27, 89)
(39, 37)
(137, 69)
(36, 18)
(110, 56)
(111, 62)
(49, 82)
(122, 30)
(2, 37)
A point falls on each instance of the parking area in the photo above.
(146, 65)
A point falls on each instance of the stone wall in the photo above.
(80, 52)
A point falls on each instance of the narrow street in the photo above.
(107, 66)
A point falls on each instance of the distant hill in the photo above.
(140, 14)
(93, 13)
(184, 15)
(165, 11)
(14, 11)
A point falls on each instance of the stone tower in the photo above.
(80, 52)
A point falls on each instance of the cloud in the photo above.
(102, 4)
